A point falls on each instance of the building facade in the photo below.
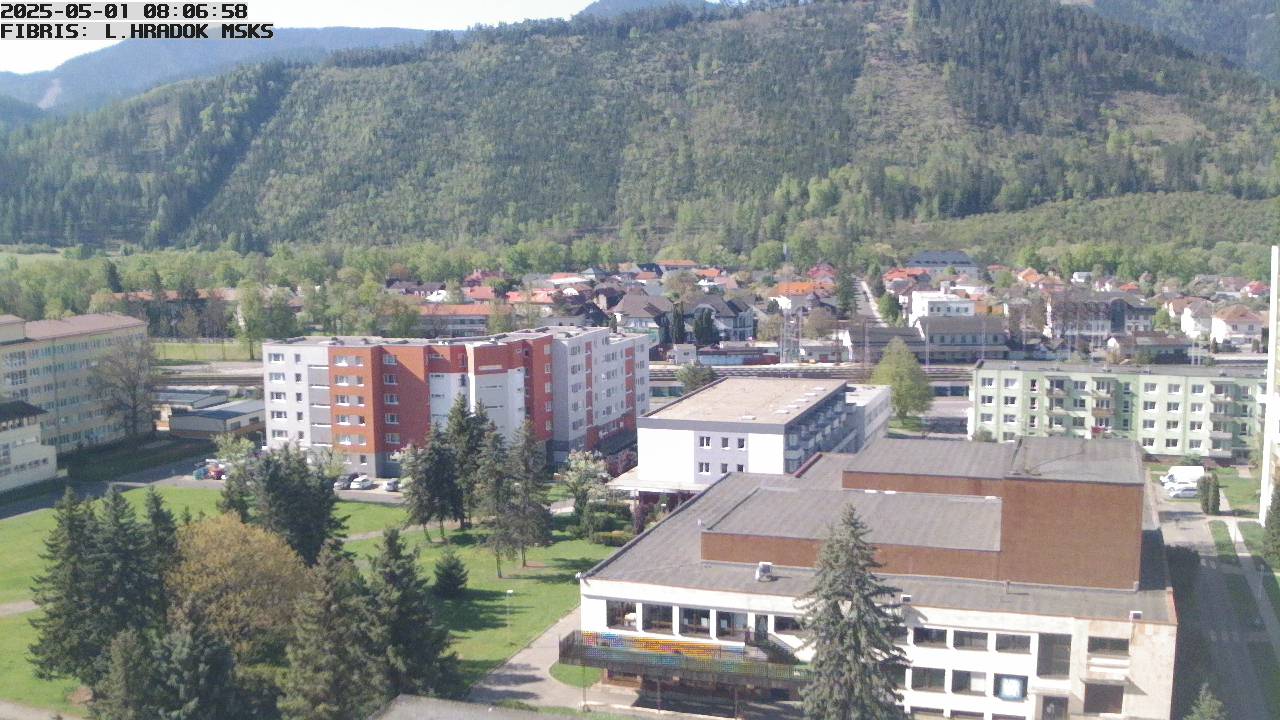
(1031, 592)
(49, 363)
(938, 304)
(366, 399)
(1087, 319)
(1170, 410)
(24, 458)
(750, 424)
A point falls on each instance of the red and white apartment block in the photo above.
(367, 398)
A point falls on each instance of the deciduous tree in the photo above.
(123, 379)
(909, 387)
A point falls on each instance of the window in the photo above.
(1078, 403)
(275, 357)
(1148, 387)
(388, 359)
(1197, 407)
(786, 624)
(1109, 646)
(1010, 400)
(1148, 442)
(1031, 421)
(1171, 425)
(276, 377)
(741, 467)
(724, 442)
(1011, 382)
(297, 377)
(1195, 426)
(1148, 405)
(986, 417)
(724, 467)
(988, 382)
(704, 467)
(1099, 698)
(929, 637)
(1175, 388)
(742, 443)
(968, 640)
(704, 441)
(1011, 419)
(1054, 659)
(620, 614)
(277, 434)
(1174, 407)
(1013, 643)
(393, 438)
(695, 622)
(1033, 403)
(389, 379)
(1197, 389)
(968, 682)
(930, 679)
(1079, 385)
(731, 625)
(988, 399)
(657, 618)
(392, 419)
(278, 396)
(1011, 687)
(279, 415)
(1171, 444)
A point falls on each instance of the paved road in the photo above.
(1183, 524)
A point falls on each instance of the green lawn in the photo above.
(1241, 493)
(488, 627)
(112, 463)
(576, 675)
(202, 352)
(1253, 534)
(1222, 543)
(18, 682)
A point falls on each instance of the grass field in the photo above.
(488, 625)
(201, 352)
(1222, 543)
(28, 258)
(576, 675)
(1264, 661)
(1241, 493)
(1253, 534)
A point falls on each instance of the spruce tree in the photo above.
(328, 651)
(493, 485)
(464, 434)
(1207, 707)
(410, 648)
(451, 575)
(161, 532)
(131, 688)
(855, 659)
(197, 672)
(294, 499)
(531, 516)
(127, 587)
(1271, 539)
(65, 595)
(433, 492)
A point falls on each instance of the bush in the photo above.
(613, 538)
(451, 575)
(1210, 494)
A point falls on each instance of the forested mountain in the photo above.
(715, 132)
(1246, 32)
(615, 8)
(15, 112)
(94, 79)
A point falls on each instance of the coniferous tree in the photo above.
(1271, 539)
(65, 595)
(127, 586)
(464, 432)
(531, 515)
(197, 672)
(433, 492)
(321, 681)
(410, 648)
(293, 498)
(130, 690)
(675, 324)
(451, 575)
(492, 481)
(855, 660)
(1207, 707)
(704, 328)
(161, 532)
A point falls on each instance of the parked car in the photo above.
(1183, 474)
(1183, 493)
(392, 485)
(362, 483)
(341, 484)
(200, 473)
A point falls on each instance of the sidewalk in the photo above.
(526, 677)
(1251, 569)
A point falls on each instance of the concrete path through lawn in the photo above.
(13, 711)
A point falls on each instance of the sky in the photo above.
(25, 56)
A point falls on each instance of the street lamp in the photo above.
(508, 622)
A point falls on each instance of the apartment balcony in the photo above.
(1058, 410)
(1112, 668)
(1058, 430)
(1223, 417)
(1221, 434)
(1055, 392)
(1103, 392)
(670, 659)
(1099, 412)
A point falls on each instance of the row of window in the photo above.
(1105, 386)
(704, 468)
(705, 441)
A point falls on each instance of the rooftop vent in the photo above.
(764, 572)
(1135, 614)
(906, 599)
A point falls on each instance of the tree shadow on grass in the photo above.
(565, 570)
(476, 610)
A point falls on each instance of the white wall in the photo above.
(766, 453)
(667, 457)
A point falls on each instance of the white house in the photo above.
(1237, 325)
(938, 303)
(1196, 321)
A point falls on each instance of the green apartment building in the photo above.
(1172, 410)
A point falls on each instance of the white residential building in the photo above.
(1196, 321)
(24, 458)
(938, 303)
(1237, 325)
(750, 424)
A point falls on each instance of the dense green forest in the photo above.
(1246, 32)
(720, 132)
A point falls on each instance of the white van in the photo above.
(1183, 475)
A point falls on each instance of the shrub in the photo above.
(612, 538)
(451, 575)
